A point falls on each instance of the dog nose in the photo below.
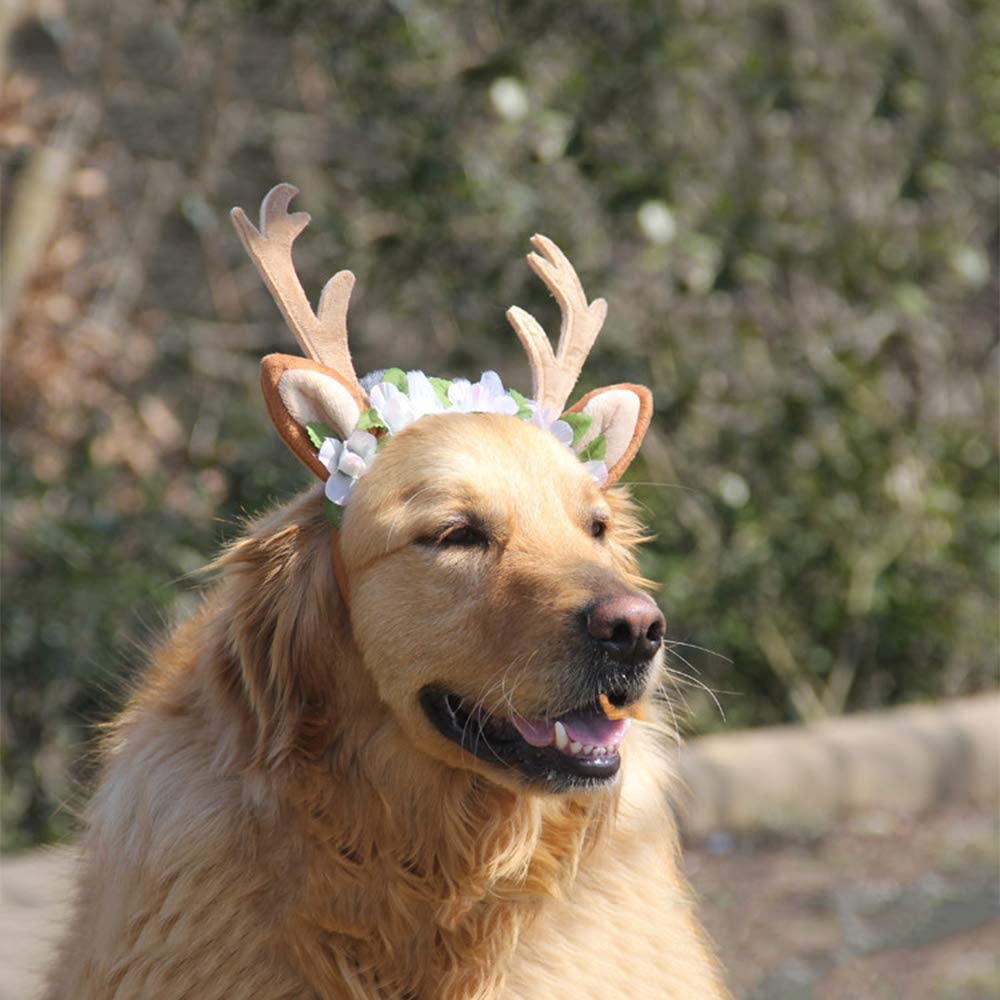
(629, 626)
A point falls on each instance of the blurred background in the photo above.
(791, 207)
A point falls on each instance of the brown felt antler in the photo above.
(323, 334)
(555, 373)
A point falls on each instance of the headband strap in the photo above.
(340, 574)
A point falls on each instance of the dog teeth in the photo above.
(574, 748)
(562, 740)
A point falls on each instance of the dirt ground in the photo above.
(880, 908)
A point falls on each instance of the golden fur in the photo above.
(277, 819)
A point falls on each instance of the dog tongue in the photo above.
(583, 727)
(598, 730)
(537, 732)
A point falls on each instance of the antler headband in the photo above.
(332, 424)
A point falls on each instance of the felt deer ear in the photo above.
(299, 392)
(621, 414)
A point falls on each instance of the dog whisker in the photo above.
(673, 486)
(669, 702)
(696, 682)
(671, 643)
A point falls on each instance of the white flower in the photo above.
(485, 396)
(542, 416)
(392, 406)
(423, 397)
(562, 431)
(548, 420)
(598, 471)
(398, 410)
(346, 461)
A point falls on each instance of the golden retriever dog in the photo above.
(413, 753)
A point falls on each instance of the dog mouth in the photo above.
(579, 748)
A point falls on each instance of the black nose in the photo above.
(629, 627)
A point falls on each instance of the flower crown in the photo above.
(334, 422)
(399, 398)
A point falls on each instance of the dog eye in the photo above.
(598, 528)
(463, 536)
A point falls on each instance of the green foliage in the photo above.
(318, 433)
(789, 206)
(579, 423)
(595, 450)
(396, 377)
(524, 411)
(441, 386)
(370, 420)
(334, 513)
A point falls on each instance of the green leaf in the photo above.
(396, 377)
(370, 421)
(334, 513)
(523, 404)
(596, 450)
(318, 433)
(441, 386)
(580, 422)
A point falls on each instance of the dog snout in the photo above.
(628, 627)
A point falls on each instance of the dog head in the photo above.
(489, 573)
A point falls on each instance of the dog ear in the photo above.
(299, 393)
(621, 414)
